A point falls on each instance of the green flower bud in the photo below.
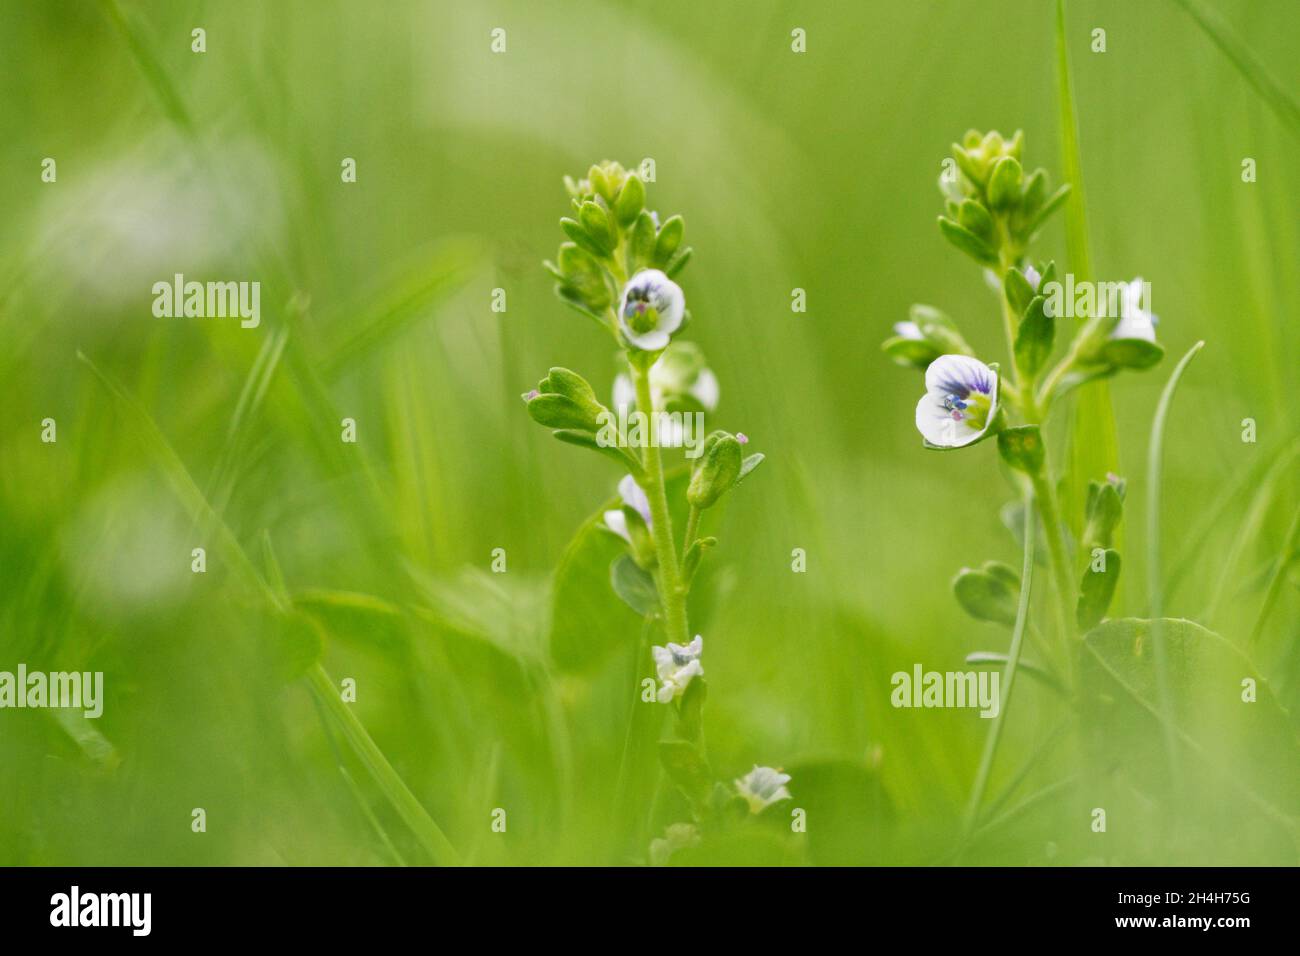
(718, 470)
(630, 201)
(596, 223)
(1103, 512)
(1004, 183)
(669, 238)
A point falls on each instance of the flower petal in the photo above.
(959, 374)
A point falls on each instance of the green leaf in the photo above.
(634, 585)
(1004, 183)
(968, 242)
(596, 222)
(690, 708)
(972, 215)
(585, 439)
(574, 230)
(1246, 746)
(641, 247)
(1053, 203)
(996, 658)
(669, 238)
(678, 262)
(694, 554)
(988, 594)
(1018, 290)
(588, 623)
(1035, 337)
(1097, 589)
(1021, 447)
(1132, 353)
(631, 200)
(749, 464)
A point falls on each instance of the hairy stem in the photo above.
(671, 593)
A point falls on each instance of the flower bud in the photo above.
(718, 471)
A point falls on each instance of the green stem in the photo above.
(1062, 579)
(404, 802)
(1008, 674)
(671, 593)
(692, 528)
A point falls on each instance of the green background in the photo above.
(813, 171)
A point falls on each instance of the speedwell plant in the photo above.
(619, 267)
(993, 210)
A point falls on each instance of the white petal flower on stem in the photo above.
(1135, 320)
(762, 787)
(908, 330)
(677, 665)
(960, 401)
(1032, 277)
(632, 494)
(651, 310)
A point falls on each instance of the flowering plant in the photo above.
(993, 211)
(619, 268)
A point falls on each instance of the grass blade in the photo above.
(1094, 448)
(1008, 674)
(1155, 454)
(1247, 63)
(154, 73)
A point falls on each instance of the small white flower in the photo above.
(677, 665)
(633, 495)
(1032, 277)
(908, 330)
(651, 310)
(678, 836)
(1135, 322)
(960, 401)
(762, 787)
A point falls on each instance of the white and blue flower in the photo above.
(762, 787)
(651, 310)
(677, 665)
(960, 401)
(1136, 320)
(632, 494)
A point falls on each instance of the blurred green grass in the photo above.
(813, 171)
